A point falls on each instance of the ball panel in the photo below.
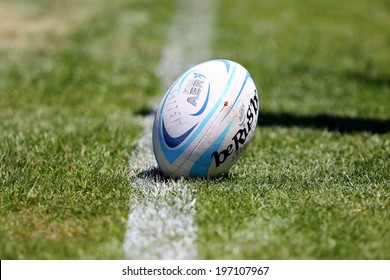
(179, 120)
(202, 166)
(205, 120)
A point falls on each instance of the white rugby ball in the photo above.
(205, 120)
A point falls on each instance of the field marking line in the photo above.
(161, 223)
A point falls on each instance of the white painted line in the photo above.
(189, 39)
(161, 222)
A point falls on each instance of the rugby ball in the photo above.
(205, 120)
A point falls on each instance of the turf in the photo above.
(73, 78)
(314, 183)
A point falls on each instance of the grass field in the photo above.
(314, 183)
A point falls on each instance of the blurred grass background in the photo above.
(314, 183)
(74, 74)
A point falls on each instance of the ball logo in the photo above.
(193, 88)
(205, 120)
(173, 142)
(240, 136)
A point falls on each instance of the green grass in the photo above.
(68, 96)
(74, 76)
(301, 192)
